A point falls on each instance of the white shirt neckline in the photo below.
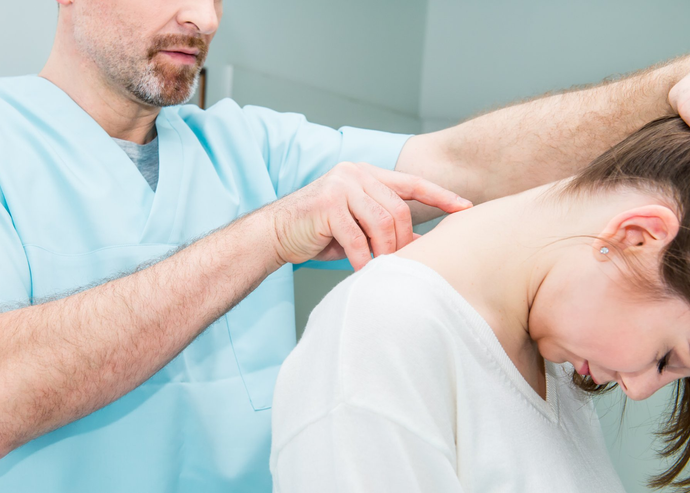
(487, 337)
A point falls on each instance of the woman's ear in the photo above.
(644, 229)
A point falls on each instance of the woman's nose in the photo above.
(641, 385)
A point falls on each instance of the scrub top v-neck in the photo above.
(75, 211)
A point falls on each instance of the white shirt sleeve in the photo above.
(357, 450)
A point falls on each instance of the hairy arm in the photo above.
(539, 141)
(64, 359)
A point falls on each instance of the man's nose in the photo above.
(203, 15)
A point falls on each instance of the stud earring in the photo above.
(604, 250)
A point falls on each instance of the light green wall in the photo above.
(340, 63)
(494, 52)
(370, 51)
(482, 54)
(321, 105)
(28, 29)
(630, 436)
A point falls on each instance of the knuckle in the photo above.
(389, 243)
(334, 187)
(381, 216)
(417, 185)
(402, 211)
(344, 216)
(385, 245)
(345, 167)
(358, 241)
(386, 221)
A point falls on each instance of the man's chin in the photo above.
(166, 89)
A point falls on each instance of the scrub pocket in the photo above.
(262, 332)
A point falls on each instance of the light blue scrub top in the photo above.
(75, 211)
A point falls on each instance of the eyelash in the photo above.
(662, 363)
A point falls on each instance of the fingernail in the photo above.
(465, 202)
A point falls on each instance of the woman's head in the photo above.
(618, 306)
(625, 316)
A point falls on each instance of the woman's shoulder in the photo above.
(380, 343)
(390, 322)
(393, 286)
(392, 302)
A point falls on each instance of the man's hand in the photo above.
(679, 98)
(354, 210)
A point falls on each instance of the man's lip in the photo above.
(185, 51)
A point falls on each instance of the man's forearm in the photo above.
(64, 359)
(542, 140)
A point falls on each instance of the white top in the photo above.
(398, 385)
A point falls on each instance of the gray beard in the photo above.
(143, 79)
(148, 88)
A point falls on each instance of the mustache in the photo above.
(165, 41)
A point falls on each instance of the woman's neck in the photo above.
(497, 254)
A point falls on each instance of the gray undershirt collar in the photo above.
(145, 157)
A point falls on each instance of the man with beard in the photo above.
(161, 380)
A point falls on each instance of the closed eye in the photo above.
(663, 362)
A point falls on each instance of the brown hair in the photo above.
(656, 158)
